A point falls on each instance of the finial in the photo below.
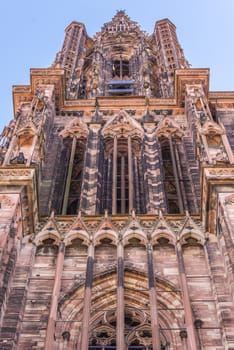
(52, 214)
(148, 117)
(160, 213)
(97, 117)
(149, 236)
(121, 12)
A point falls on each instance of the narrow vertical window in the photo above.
(122, 176)
(169, 177)
(74, 177)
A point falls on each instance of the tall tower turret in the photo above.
(117, 199)
(169, 54)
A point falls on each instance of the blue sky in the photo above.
(32, 32)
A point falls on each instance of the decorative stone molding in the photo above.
(6, 201)
(214, 182)
(22, 180)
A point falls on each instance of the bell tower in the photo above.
(117, 199)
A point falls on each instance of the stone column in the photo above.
(87, 299)
(69, 174)
(137, 187)
(206, 147)
(217, 279)
(49, 341)
(122, 185)
(153, 300)
(8, 155)
(120, 341)
(130, 175)
(180, 175)
(177, 183)
(91, 171)
(186, 300)
(114, 180)
(109, 186)
(28, 160)
(153, 171)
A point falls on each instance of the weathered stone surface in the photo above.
(117, 199)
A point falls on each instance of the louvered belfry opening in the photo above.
(171, 191)
(122, 175)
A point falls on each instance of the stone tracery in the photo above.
(116, 199)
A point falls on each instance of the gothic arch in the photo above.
(102, 236)
(79, 234)
(47, 234)
(192, 237)
(168, 127)
(123, 165)
(163, 230)
(210, 127)
(134, 232)
(137, 310)
(166, 237)
(74, 135)
(76, 128)
(122, 123)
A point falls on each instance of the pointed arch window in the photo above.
(73, 202)
(138, 334)
(75, 140)
(170, 175)
(122, 182)
(122, 177)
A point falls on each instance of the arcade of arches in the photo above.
(117, 199)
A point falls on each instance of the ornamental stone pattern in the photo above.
(117, 199)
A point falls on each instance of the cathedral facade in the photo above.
(117, 199)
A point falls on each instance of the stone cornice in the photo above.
(215, 180)
(56, 77)
(22, 180)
